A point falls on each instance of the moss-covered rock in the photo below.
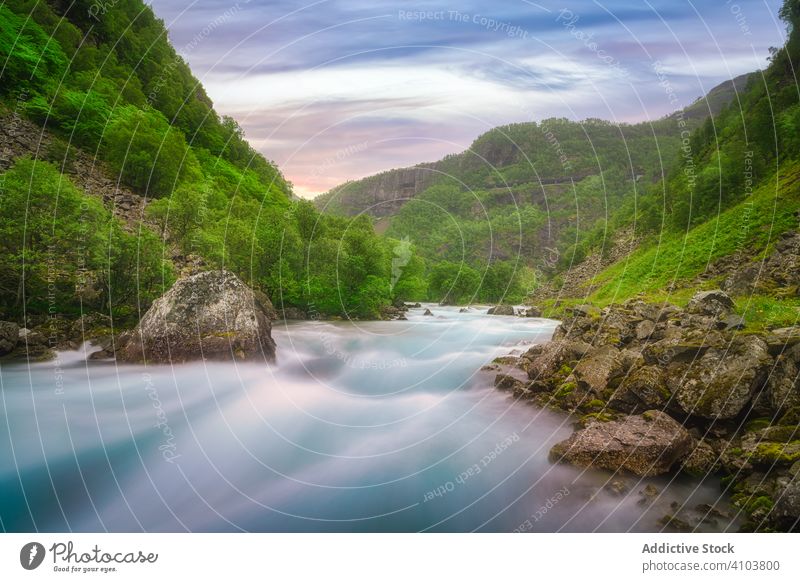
(643, 389)
(721, 383)
(783, 386)
(647, 444)
(210, 315)
(598, 368)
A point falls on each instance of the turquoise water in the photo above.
(360, 426)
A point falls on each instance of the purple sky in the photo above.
(337, 90)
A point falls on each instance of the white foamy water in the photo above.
(359, 426)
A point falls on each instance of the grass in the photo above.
(749, 227)
(761, 312)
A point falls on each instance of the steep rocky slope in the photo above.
(657, 388)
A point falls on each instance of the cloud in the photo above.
(307, 80)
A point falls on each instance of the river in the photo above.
(359, 426)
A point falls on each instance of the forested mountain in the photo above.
(541, 208)
(104, 84)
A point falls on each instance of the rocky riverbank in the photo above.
(209, 315)
(657, 389)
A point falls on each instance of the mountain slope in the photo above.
(121, 119)
(527, 200)
(552, 151)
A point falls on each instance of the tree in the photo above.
(149, 154)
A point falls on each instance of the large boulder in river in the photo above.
(501, 310)
(646, 444)
(210, 315)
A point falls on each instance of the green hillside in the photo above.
(529, 203)
(110, 87)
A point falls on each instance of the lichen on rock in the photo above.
(211, 315)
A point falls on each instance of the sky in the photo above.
(334, 90)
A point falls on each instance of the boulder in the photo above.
(89, 326)
(36, 345)
(510, 380)
(702, 461)
(390, 312)
(783, 386)
(597, 368)
(656, 312)
(646, 444)
(209, 315)
(682, 345)
(787, 507)
(428, 312)
(715, 303)
(645, 329)
(533, 311)
(501, 310)
(584, 310)
(265, 304)
(643, 389)
(783, 338)
(9, 335)
(721, 383)
(731, 322)
(543, 361)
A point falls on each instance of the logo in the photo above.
(31, 555)
(402, 256)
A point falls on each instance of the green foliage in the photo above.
(748, 226)
(125, 96)
(124, 73)
(149, 154)
(82, 116)
(454, 283)
(61, 251)
(30, 59)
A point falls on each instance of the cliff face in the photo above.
(380, 195)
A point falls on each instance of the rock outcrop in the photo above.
(211, 315)
(646, 444)
(382, 194)
(778, 274)
(716, 303)
(291, 313)
(501, 310)
(638, 373)
(783, 386)
(722, 382)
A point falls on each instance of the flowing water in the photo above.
(360, 426)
